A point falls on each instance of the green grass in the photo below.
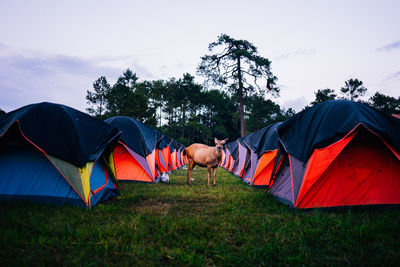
(174, 224)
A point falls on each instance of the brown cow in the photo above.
(204, 156)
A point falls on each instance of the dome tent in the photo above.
(134, 158)
(263, 147)
(54, 153)
(338, 153)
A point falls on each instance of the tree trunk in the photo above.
(183, 120)
(241, 101)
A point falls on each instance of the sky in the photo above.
(54, 50)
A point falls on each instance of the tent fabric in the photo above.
(145, 153)
(252, 157)
(28, 171)
(233, 149)
(263, 171)
(241, 159)
(330, 167)
(137, 136)
(265, 139)
(227, 159)
(328, 122)
(351, 179)
(134, 159)
(64, 132)
(263, 145)
(130, 166)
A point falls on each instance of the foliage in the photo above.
(385, 103)
(98, 98)
(126, 97)
(353, 89)
(263, 112)
(196, 115)
(187, 112)
(176, 225)
(180, 108)
(323, 95)
(237, 65)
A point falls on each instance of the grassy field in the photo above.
(174, 224)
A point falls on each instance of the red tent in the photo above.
(338, 153)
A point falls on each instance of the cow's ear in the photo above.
(215, 140)
(224, 141)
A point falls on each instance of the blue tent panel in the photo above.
(101, 185)
(26, 173)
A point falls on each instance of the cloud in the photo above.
(53, 64)
(297, 104)
(298, 52)
(392, 77)
(389, 47)
(27, 77)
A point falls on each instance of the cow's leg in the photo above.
(215, 173)
(191, 165)
(208, 174)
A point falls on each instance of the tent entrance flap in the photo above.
(264, 169)
(127, 168)
(364, 173)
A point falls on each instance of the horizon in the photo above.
(55, 51)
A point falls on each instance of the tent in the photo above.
(240, 158)
(231, 156)
(134, 158)
(163, 155)
(176, 154)
(262, 148)
(179, 155)
(54, 153)
(338, 153)
(225, 157)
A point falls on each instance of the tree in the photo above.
(188, 96)
(353, 89)
(323, 95)
(119, 96)
(264, 112)
(218, 109)
(385, 103)
(156, 91)
(238, 66)
(98, 98)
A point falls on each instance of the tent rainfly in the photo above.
(338, 153)
(54, 153)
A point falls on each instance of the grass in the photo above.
(174, 224)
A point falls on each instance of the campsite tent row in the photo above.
(337, 153)
(143, 153)
(54, 153)
(252, 157)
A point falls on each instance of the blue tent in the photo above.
(54, 153)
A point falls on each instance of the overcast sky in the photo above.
(54, 50)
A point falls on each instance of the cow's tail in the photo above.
(184, 152)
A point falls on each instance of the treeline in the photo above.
(180, 108)
(189, 112)
(354, 90)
